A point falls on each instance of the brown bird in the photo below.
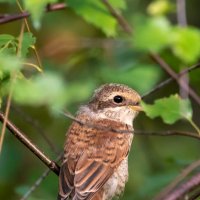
(95, 163)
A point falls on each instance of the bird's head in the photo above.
(116, 102)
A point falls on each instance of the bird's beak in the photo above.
(137, 108)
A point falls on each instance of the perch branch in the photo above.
(23, 139)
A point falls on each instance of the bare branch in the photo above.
(5, 18)
(184, 188)
(20, 136)
(178, 179)
(181, 12)
(182, 84)
(169, 80)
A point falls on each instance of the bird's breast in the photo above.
(116, 183)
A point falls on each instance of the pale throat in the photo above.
(120, 114)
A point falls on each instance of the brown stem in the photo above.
(121, 20)
(23, 139)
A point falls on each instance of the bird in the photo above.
(95, 159)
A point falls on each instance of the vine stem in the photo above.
(194, 125)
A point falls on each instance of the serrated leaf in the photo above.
(186, 44)
(95, 12)
(152, 34)
(169, 109)
(37, 9)
(27, 42)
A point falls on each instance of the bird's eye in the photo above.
(118, 99)
(137, 103)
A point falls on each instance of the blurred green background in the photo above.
(77, 57)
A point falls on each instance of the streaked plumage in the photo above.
(95, 159)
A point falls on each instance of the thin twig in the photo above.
(177, 180)
(23, 139)
(8, 103)
(40, 180)
(169, 80)
(33, 47)
(121, 20)
(13, 17)
(168, 133)
(168, 69)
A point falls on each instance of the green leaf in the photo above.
(96, 13)
(186, 44)
(5, 38)
(27, 42)
(120, 4)
(150, 72)
(169, 109)
(160, 7)
(152, 34)
(37, 9)
(43, 89)
(9, 63)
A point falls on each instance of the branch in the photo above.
(181, 12)
(121, 20)
(182, 84)
(23, 139)
(39, 180)
(184, 188)
(177, 180)
(167, 133)
(6, 18)
(169, 80)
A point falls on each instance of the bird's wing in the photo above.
(66, 184)
(90, 176)
(93, 156)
